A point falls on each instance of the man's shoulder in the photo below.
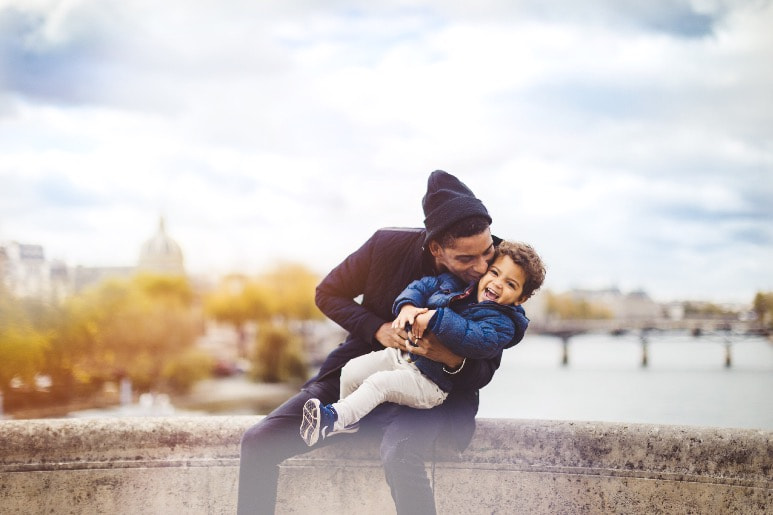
(405, 231)
(396, 235)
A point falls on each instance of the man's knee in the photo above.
(268, 442)
(251, 436)
(253, 441)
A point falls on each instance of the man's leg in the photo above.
(408, 442)
(268, 443)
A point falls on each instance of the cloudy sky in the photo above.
(630, 142)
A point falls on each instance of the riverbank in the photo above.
(234, 395)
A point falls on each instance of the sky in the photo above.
(631, 143)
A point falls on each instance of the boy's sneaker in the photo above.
(318, 421)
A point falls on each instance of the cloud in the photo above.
(628, 141)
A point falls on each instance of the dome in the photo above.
(161, 254)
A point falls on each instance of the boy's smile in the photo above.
(502, 283)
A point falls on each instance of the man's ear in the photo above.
(435, 248)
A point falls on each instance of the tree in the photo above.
(236, 301)
(291, 287)
(22, 346)
(183, 371)
(175, 289)
(566, 307)
(130, 328)
(278, 355)
(763, 308)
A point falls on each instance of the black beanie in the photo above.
(446, 202)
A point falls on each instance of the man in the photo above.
(456, 239)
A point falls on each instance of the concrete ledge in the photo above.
(190, 465)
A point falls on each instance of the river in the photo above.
(685, 382)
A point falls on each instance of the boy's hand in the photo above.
(420, 323)
(407, 315)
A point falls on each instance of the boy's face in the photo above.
(503, 282)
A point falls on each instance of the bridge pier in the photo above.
(644, 349)
(565, 350)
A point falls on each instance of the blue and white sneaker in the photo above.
(318, 421)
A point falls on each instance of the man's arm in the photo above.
(335, 298)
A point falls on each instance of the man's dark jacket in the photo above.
(379, 271)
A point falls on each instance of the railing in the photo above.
(190, 465)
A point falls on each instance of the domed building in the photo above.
(161, 254)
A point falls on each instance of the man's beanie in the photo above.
(446, 202)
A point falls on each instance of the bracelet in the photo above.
(464, 360)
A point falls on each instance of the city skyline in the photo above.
(628, 143)
(123, 270)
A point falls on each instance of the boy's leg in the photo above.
(360, 368)
(268, 443)
(403, 384)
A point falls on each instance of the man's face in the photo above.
(467, 258)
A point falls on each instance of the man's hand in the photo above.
(430, 347)
(388, 336)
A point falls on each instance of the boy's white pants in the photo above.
(383, 376)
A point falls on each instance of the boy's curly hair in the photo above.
(527, 258)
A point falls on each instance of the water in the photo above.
(685, 383)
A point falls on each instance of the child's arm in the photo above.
(482, 335)
(416, 294)
(421, 323)
(407, 315)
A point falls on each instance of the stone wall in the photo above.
(190, 465)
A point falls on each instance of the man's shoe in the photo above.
(318, 421)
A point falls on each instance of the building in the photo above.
(25, 271)
(635, 305)
(161, 254)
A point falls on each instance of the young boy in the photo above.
(475, 321)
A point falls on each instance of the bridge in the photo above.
(729, 330)
(621, 325)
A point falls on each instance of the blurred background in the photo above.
(176, 178)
